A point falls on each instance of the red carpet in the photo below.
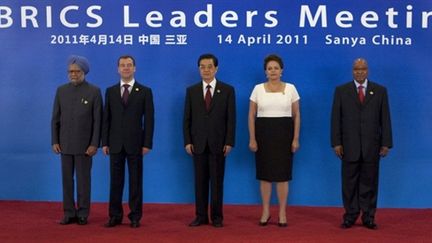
(38, 222)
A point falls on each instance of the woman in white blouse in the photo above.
(274, 127)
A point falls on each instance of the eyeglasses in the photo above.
(74, 71)
(203, 67)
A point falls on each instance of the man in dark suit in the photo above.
(209, 131)
(360, 133)
(75, 134)
(127, 134)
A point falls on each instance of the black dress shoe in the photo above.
(261, 223)
(346, 224)
(113, 222)
(282, 224)
(217, 223)
(135, 224)
(370, 225)
(82, 220)
(68, 220)
(198, 221)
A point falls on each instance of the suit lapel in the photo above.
(197, 94)
(216, 96)
(132, 95)
(134, 91)
(117, 94)
(354, 94)
(370, 92)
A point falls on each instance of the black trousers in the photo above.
(81, 166)
(209, 172)
(360, 189)
(117, 171)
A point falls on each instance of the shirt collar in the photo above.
(212, 84)
(131, 83)
(357, 84)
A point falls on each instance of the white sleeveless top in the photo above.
(274, 104)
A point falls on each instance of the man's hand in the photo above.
(105, 150)
(91, 150)
(227, 150)
(384, 151)
(145, 150)
(189, 149)
(56, 148)
(339, 151)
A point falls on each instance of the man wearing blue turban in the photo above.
(75, 128)
(81, 62)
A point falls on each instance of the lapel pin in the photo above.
(136, 89)
(218, 91)
(371, 92)
(85, 102)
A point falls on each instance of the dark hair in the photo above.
(273, 57)
(125, 57)
(208, 56)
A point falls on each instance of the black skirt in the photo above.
(273, 158)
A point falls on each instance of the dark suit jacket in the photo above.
(361, 128)
(76, 118)
(129, 126)
(215, 127)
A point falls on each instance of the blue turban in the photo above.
(82, 62)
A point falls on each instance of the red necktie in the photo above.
(125, 93)
(361, 95)
(208, 97)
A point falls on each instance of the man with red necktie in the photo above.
(360, 134)
(209, 131)
(127, 135)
